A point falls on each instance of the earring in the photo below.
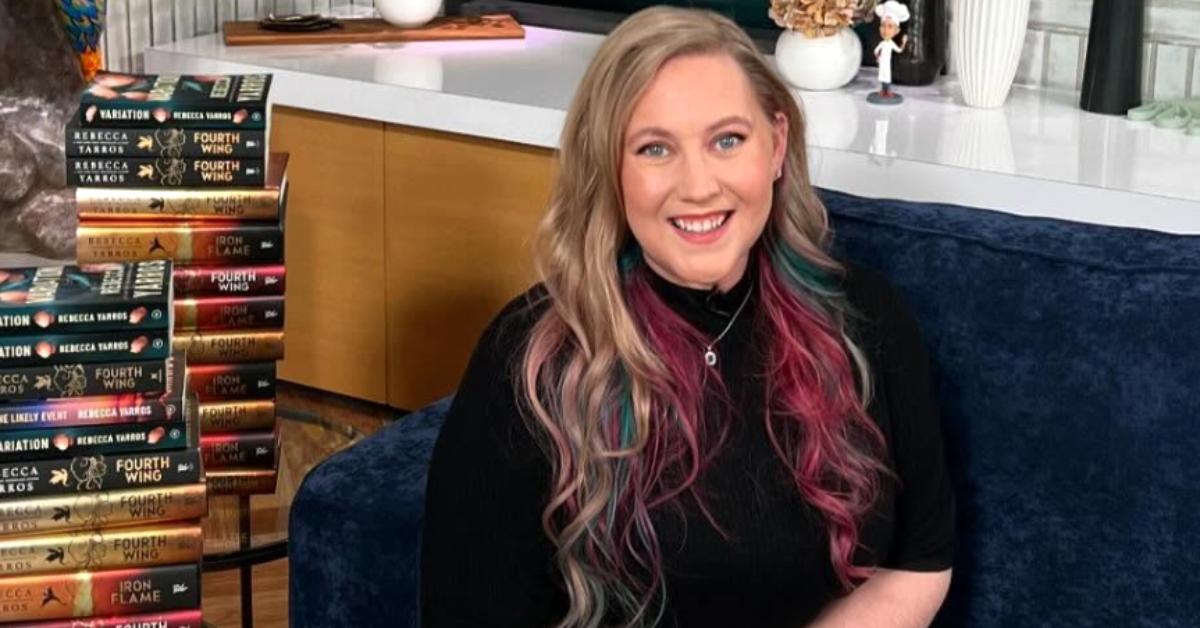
(779, 173)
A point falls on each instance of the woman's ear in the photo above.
(779, 133)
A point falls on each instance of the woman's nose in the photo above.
(698, 180)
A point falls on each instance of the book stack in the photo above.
(178, 167)
(101, 480)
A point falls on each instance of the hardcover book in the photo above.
(185, 243)
(92, 593)
(243, 450)
(164, 142)
(90, 440)
(242, 481)
(211, 203)
(165, 172)
(226, 347)
(76, 379)
(131, 408)
(39, 350)
(92, 511)
(118, 296)
(229, 313)
(237, 416)
(176, 619)
(111, 548)
(228, 382)
(210, 101)
(88, 474)
(221, 281)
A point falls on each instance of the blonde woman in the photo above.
(698, 417)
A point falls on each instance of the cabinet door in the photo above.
(334, 313)
(461, 213)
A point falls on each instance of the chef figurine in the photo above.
(891, 15)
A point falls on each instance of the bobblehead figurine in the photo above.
(891, 15)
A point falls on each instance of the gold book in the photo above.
(189, 203)
(241, 481)
(237, 416)
(226, 347)
(109, 548)
(91, 511)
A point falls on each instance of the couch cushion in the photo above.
(1067, 364)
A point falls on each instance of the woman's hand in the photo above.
(889, 599)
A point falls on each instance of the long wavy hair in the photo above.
(609, 379)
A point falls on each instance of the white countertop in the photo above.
(1038, 155)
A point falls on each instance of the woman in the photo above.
(698, 418)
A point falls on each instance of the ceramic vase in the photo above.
(986, 40)
(818, 63)
(408, 13)
(1112, 76)
(83, 22)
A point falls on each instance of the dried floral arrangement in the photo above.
(818, 18)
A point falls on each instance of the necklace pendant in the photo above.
(710, 357)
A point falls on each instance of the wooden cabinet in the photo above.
(402, 244)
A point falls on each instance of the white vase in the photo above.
(408, 13)
(986, 39)
(818, 63)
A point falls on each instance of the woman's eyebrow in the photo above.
(661, 132)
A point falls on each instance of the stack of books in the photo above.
(101, 477)
(178, 167)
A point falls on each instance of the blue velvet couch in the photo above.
(1067, 365)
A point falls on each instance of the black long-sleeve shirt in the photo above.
(487, 562)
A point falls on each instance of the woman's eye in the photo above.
(653, 150)
(731, 141)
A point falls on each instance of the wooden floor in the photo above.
(221, 590)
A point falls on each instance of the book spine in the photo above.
(75, 379)
(75, 299)
(222, 348)
(115, 548)
(69, 318)
(229, 313)
(176, 619)
(192, 244)
(92, 511)
(87, 474)
(90, 440)
(229, 382)
(190, 204)
(39, 350)
(218, 281)
(237, 416)
(245, 450)
(89, 411)
(164, 142)
(87, 593)
(165, 172)
(242, 481)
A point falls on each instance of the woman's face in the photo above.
(699, 158)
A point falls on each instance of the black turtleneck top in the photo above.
(487, 562)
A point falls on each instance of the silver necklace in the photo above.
(710, 356)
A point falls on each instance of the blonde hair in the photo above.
(594, 389)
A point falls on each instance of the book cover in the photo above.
(110, 548)
(229, 382)
(121, 296)
(164, 142)
(226, 347)
(165, 172)
(87, 440)
(229, 313)
(228, 281)
(242, 481)
(175, 619)
(130, 408)
(185, 243)
(113, 346)
(92, 593)
(87, 474)
(76, 379)
(91, 511)
(237, 416)
(245, 450)
(212, 101)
